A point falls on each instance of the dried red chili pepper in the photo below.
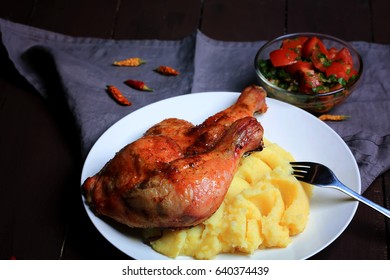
(330, 117)
(166, 70)
(138, 85)
(117, 95)
(130, 62)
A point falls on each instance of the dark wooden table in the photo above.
(41, 213)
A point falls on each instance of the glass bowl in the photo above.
(312, 102)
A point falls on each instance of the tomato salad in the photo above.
(305, 64)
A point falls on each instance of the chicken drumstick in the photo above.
(156, 182)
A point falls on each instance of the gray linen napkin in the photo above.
(79, 68)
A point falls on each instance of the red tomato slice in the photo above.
(282, 57)
(352, 73)
(300, 65)
(294, 44)
(312, 44)
(319, 60)
(309, 80)
(344, 56)
(332, 52)
(340, 70)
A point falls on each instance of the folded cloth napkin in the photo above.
(77, 69)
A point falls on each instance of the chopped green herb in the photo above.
(342, 82)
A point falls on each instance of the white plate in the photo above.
(306, 137)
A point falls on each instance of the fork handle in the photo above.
(360, 198)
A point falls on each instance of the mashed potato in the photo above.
(264, 207)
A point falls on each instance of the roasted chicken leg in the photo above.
(156, 182)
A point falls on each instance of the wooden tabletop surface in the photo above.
(42, 216)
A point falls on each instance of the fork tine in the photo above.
(301, 170)
(298, 174)
(312, 172)
(304, 164)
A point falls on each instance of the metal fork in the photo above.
(320, 175)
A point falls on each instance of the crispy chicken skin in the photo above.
(197, 139)
(160, 181)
